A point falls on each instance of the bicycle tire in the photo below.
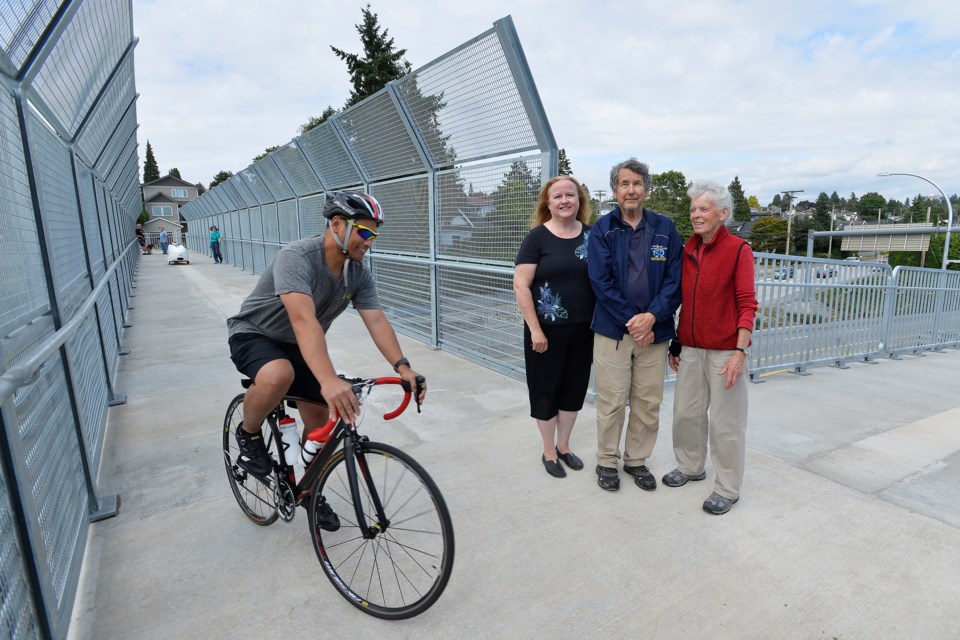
(254, 496)
(404, 570)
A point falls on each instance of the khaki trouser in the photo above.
(700, 392)
(626, 371)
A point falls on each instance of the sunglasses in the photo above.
(365, 233)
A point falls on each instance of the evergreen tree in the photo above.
(380, 63)
(266, 152)
(314, 121)
(201, 189)
(151, 171)
(563, 164)
(175, 173)
(871, 205)
(821, 212)
(221, 176)
(776, 202)
(668, 196)
(741, 210)
(835, 199)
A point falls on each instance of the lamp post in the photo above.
(946, 242)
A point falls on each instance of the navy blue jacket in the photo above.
(608, 265)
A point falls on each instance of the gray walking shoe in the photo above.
(677, 478)
(718, 505)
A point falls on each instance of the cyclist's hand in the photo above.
(419, 390)
(340, 398)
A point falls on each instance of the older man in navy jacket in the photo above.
(634, 266)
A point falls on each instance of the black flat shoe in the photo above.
(553, 467)
(571, 460)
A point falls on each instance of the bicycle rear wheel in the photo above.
(403, 570)
(253, 495)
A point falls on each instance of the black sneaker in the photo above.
(608, 478)
(326, 517)
(253, 453)
(642, 477)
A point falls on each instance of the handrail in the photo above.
(17, 376)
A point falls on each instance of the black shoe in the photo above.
(642, 477)
(326, 517)
(677, 478)
(253, 453)
(553, 467)
(608, 478)
(571, 460)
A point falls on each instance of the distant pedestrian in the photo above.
(141, 238)
(163, 241)
(215, 236)
(716, 323)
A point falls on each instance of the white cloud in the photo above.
(819, 96)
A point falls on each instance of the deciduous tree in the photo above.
(769, 234)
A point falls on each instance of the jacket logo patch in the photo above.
(658, 253)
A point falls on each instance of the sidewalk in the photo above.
(848, 526)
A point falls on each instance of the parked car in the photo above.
(852, 259)
(826, 271)
(783, 273)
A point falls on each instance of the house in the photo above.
(162, 199)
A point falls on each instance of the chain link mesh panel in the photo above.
(466, 105)
(376, 133)
(23, 295)
(406, 210)
(405, 291)
(83, 59)
(21, 25)
(271, 226)
(289, 226)
(116, 100)
(90, 386)
(273, 180)
(326, 153)
(296, 171)
(485, 211)
(312, 222)
(18, 617)
(91, 225)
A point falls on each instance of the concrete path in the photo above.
(848, 526)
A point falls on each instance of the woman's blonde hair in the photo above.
(542, 214)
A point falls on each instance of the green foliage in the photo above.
(669, 197)
(221, 176)
(777, 201)
(835, 199)
(314, 121)
(563, 164)
(499, 235)
(151, 171)
(852, 203)
(380, 62)
(769, 235)
(741, 210)
(175, 173)
(870, 204)
(266, 152)
(201, 189)
(821, 220)
(754, 203)
(143, 217)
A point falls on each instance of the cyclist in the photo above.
(278, 339)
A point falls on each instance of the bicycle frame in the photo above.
(340, 432)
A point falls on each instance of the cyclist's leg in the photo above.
(268, 388)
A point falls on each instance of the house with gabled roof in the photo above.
(162, 199)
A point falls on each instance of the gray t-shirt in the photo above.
(300, 267)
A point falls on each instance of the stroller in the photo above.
(177, 254)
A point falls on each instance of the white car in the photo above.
(852, 259)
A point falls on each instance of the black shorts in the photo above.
(557, 379)
(250, 351)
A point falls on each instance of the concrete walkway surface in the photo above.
(848, 525)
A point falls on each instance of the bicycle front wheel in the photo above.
(401, 571)
(253, 495)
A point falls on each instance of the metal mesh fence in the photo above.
(455, 152)
(69, 198)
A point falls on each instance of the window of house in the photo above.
(178, 193)
(164, 211)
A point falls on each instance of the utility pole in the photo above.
(599, 193)
(790, 214)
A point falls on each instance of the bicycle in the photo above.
(392, 553)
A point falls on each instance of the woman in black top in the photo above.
(556, 300)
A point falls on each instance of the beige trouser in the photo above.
(625, 371)
(700, 391)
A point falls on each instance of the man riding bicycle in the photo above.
(278, 339)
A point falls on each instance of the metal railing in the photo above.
(69, 197)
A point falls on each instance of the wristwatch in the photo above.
(399, 363)
(745, 352)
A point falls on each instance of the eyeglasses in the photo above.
(365, 233)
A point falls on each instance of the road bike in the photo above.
(389, 550)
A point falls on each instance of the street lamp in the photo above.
(946, 242)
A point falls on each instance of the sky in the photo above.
(816, 95)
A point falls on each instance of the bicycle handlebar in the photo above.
(322, 434)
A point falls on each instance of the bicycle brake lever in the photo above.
(421, 385)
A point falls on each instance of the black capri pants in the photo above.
(557, 379)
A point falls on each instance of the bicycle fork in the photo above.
(353, 451)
